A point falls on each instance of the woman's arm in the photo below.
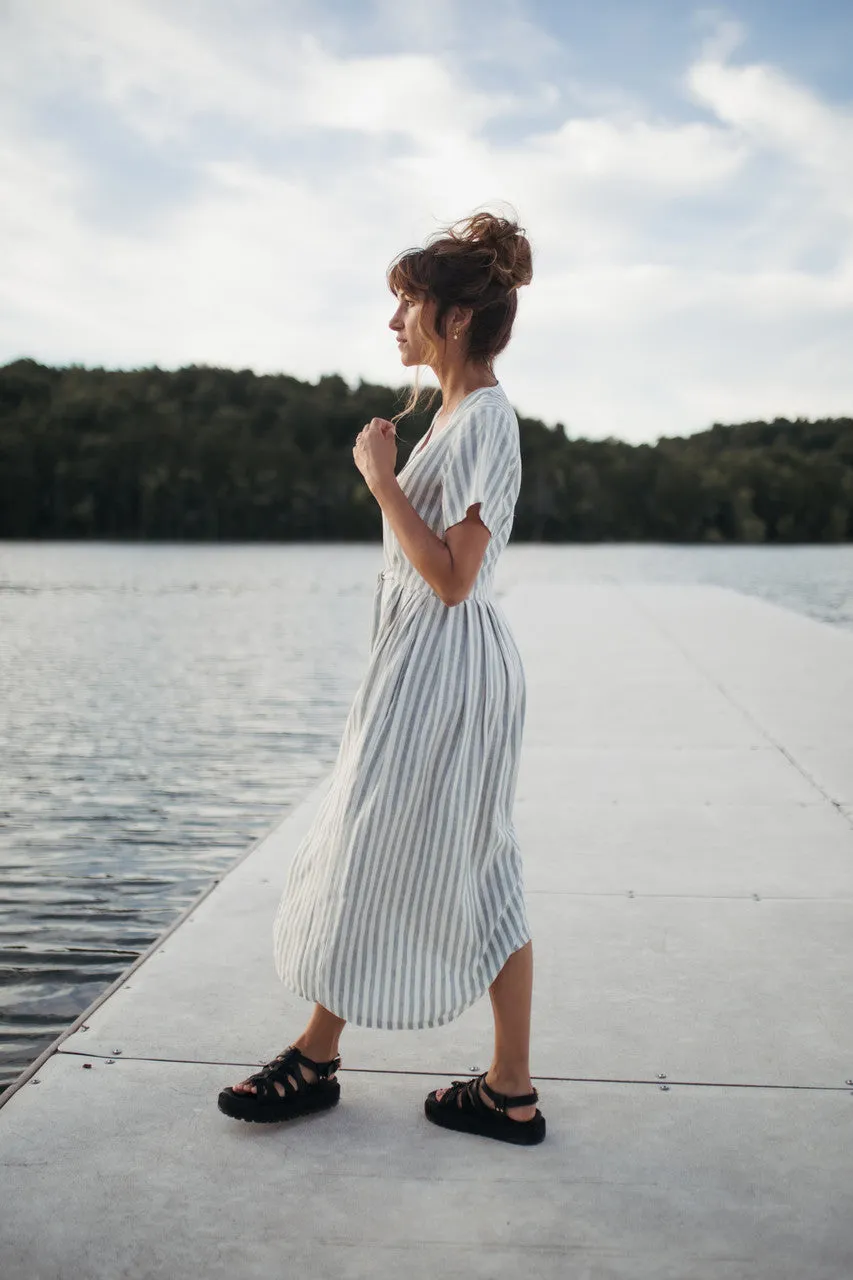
(449, 567)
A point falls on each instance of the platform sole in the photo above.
(241, 1106)
(524, 1133)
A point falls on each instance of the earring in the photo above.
(456, 334)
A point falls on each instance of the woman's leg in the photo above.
(512, 995)
(320, 1038)
(319, 1041)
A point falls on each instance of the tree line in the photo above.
(208, 454)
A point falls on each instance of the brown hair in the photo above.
(479, 263)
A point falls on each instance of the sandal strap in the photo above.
(283, 1069)
(472, 1101)
(323, 1069)
(504, 1100)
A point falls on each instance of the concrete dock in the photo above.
(685, 811)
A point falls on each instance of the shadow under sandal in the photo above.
(268, 1105)
(462, 1108)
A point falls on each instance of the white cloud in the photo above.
(769, 112)
(166, 79)
(675, 259)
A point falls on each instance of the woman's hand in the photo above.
(375, 452)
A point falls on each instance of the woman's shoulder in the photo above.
(490, 404)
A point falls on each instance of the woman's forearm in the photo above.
(429, 554)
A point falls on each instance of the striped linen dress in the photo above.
(405, 898)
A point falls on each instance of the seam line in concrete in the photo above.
(632, 894)
(386, 1071)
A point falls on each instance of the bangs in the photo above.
(408, 274)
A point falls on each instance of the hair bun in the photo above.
(505, 241)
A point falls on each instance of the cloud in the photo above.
(686, 269)
(167, 79)
(772, 114)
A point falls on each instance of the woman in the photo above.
(404, 902)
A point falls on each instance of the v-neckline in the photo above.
(422, 445)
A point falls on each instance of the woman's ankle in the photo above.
(510, 1079)
(316, 1050)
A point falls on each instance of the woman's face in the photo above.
(404, 322)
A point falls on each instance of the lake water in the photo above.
(162, 706)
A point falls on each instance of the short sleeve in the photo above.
(483, 465)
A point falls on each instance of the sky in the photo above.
(226, 183)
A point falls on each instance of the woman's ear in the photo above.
(458, 322)
(466, 315)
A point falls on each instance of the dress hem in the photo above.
(440, 1021)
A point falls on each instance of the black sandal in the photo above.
(268, 1104)
(462, 1108)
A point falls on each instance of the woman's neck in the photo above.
(459, 380)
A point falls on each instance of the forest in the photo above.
(211, 454)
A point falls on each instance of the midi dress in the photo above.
(405, 897)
